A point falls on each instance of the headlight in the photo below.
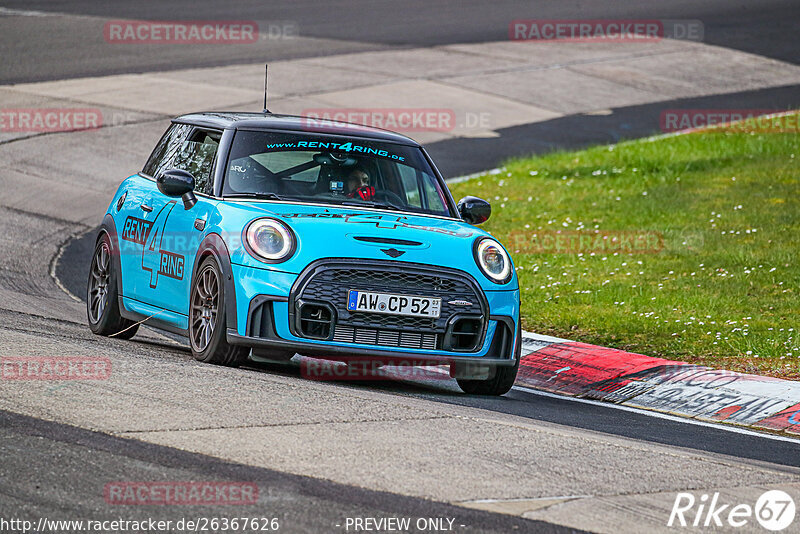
(493, 260)
(269, 240)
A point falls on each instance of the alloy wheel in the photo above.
(98, 283)
(205, 300)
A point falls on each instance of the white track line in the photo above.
(8, 12)
(659, 415)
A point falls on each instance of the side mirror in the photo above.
(474, 210)
(178, 183)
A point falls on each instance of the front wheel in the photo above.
(207, 324)
(500, 383)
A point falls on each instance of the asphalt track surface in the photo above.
(31, 483)
(766, 28)
(301, 504)
(71, 270)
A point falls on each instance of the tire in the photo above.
(500, 383)
(207, 321)
(102, 302)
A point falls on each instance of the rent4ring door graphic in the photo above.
(159, 240)
(134, 221)
(168, 254)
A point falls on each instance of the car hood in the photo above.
(350, 232)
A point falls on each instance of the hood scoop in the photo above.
(375, 240)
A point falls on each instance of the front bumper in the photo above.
(267, 303)
(506, 356)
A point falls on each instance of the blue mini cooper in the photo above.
(261, 236)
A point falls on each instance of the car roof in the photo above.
(270, 121)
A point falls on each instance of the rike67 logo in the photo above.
(774, 510)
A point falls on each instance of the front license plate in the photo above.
(393, 304)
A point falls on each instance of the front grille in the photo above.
(392, 321)
(418, 281)
(332, 285)
(329, 281)
(385, 338)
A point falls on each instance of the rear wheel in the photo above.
(499, 382)
(102, 302)
(207, 324)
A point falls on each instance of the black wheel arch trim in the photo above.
(108, 226)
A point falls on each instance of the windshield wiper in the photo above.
(371, 204)
(264, 196)
(357, 203)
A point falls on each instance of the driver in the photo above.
(357, 185)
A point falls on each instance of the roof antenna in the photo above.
(266, 73)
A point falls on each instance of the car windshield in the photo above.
(333, 170)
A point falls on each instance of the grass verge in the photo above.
(682, 247)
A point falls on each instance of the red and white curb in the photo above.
(679, 388)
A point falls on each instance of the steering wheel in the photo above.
(390, 198)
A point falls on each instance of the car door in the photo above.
(177, 232)
(139, 212)
(133, 225)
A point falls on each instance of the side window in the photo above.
(408, 175)
(196, 156)
(164, 154)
